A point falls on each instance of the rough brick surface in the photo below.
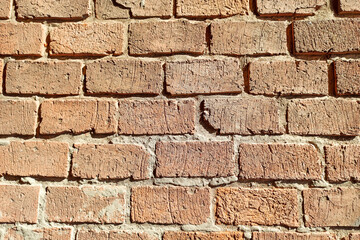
(288, 78)
(195, 159)
(90, 39)
(288, 7)
(332, 207)
(204, 76)
(279, 161)
(349, 6)
(292, 236)
(147, 38)
(110, 161)
(78, 116)
(245, 116)
(170, 205)
(19, 203)
(44, 78)
(112, 235)
(124, 77)
(257, 38)
(106, 9)
(39, 233)
(203, 236)
(156, 117)
(314, 117)
(148, 8)
(347, 77)
(5, 8)
(352, 236)
(92, 204)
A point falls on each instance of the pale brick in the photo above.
(106, 9)
(352, 236)
(5, 8)
(112, 235)
(349, 6)
(148, 8)
(203, 236)
(21, 233)
(289, 7)
(292, 236)
(347, 77)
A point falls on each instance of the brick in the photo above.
(279, 161)
(291, 236)
(150, 8)
(22, 39)
(342, 163)
(110, 161)
(1, 74)
(35, 158)
(88, 204)
(327, 36)
(5, 9)
(332, 207)
(44, 78)
(212, 8)
(347, 77)
(112, 235)
(349, 6)
(313, 117)
(18, 117)
(139, 117)
(149, 38)
(352, 236)
(52, 9)
(124, 77)
(289, 7)
(105, 9)
(204, 76)
(257, 38)
(170, 205)
(78, 116)
(203, 236)
(87, 39)
(195, 159)
(288, 78)
(245, 116)
(21, 233)
(19, 203)
(245, 206)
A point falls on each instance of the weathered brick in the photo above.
(342, 162)
(18, 117)
(147, 38)
(87, 39)
(212, 8)
(203, 236)
(257, 38)
(105, 9)
(112, 235)
(327, 36)
(140, 117)
(19, 203)
(242, 206)
(5, 8)
(124, 77)
(245, 116)
(78, 116)
(204, 76)
(1, 74)
(52, 9)
(291, 236)
(150, 8)
(21, 233)
(90, 204)
(349, 6)
(44, 78)
(352, 236)
(195, 159)
(279, 161)
(288, 7)
(170, 205)
(347, 77)
(24, 39)
(331, 117)
(288, 78)
(110, 161)
(332, 207)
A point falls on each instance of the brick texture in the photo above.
(347, 77)
(106, 9)
(352, 236)
(349, 6)
(112, 235)
(5, 8)
(39, 233)
(203, 236)
(289, 7)
(292, 236)
(150, 8)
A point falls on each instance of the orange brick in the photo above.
(106, 9)
(352, 236)
(5, 8)
(21, 233)
(292, 236)
(288, 7)
(349, 6)
(347, 77)
(150, 8)
(203, 236)
(112, 235)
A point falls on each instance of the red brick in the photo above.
(44, 78)
(5, 8)
(23, 39)
(110, 161)
(148, 38)
(332, 207)
(52, 9)
(347, 77)
(203, 236)
(288, 7)
(170, 205)
(19, 203)
(203, 76)
(349, 6)
(124, 77)
(245, 116)
(150, 8)
(112, 235)
(242, 206)
(106, 9)
(38, 159)
(257, 38)
(288, 78)
(279, 161)
(87, 39)
(138, 117)
(18, 117)
(342, 163)
(195, 159)
(21, 233)
(327, 36)
(78, 116)
(88, 204)
(292, 236)
(314, 117)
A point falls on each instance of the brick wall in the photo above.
(180, 120)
